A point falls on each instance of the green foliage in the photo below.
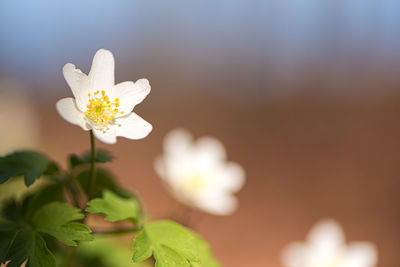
(101, 156)
(106, 252)
(28, 163)
(24, 222)
(50, 193)
(20, 245)
(42, 219)
(104, 181)
(205, 253)
(171, 245)
(115, 208)
(14, 213)
(57, 219)
(19, 240)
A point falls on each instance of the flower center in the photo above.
(101, 111)
(195, 183)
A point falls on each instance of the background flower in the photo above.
(198, 174)
(326, 247)
(102, 106)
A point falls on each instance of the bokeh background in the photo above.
(304, 94)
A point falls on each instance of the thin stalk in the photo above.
(92, 181)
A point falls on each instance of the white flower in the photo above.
(326, 247)
(100, 104)
(197, 172)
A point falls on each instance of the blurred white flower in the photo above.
(18, 113)
(326, 247)
(198, 174)
(100, 104)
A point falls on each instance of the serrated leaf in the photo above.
(171, 245)
(104, 181)
(28, 163)
(115, 208)
(57, 219)
(20, 245)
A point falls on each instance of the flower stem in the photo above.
(92, 181)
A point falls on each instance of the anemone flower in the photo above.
(197, 173)
(101, 105)
(326, 247)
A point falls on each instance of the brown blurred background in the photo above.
(304, 95)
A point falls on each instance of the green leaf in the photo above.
(102, 156)
(205, 253)
(6, 239)
(171, 245)
(14, 212)
(20, 245)
(49, 193)
(104, 181)
(75, 160)
(52, 168)
(115, 208)
(28, 163)
(107, 252)
(57, 219)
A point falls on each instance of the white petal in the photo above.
(178, 142)
(108, 136)
(132, 127)
(69, 111)
(130, 94)
(101, 74)
(79, 84)
(217, 203)
(294, 254)
(326, 237)
(361, 254)
(210, 153)
(230, 178)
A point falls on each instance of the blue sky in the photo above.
(38, 37)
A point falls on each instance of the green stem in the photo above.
(92, 181)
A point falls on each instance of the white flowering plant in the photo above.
(57, 222)
(76, 216)
(326, 246)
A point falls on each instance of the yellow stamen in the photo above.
(101, 111)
